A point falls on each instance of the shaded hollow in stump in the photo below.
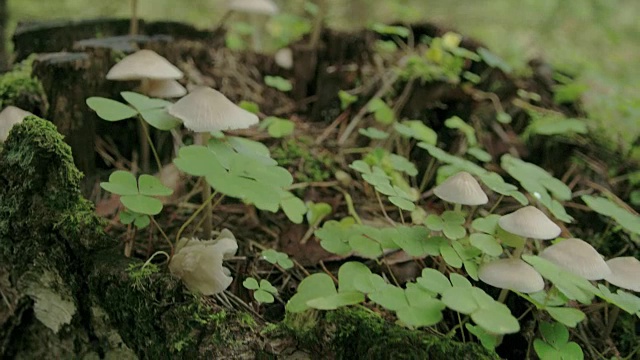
(54, 254)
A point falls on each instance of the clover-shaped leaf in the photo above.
(292, 206)
(318, 291)
(263, 292)
(276, 257)
(450, 223)
(140, 221)
(317, 212)
(137, 195)
(153, 111)
(278, 82)
(556, 344)
(373, 133)
(334, 235)
(110, 110)
(487, 243)
(278, 127)
(418, 130)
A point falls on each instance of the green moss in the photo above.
(357, 333)
(297, 155)
(19, 88)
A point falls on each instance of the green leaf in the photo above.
(292, 206)
(317, 212)
(365, 246)
(150, 185)
(468, 131)
(403, 164)
(479, 154)
(142, 204)
(433, 280)
(346, 99)
(374, 133)
(263, 296)
(335, 301)
(551, 125)
(334, 236)
(250, 106)
(487, 243)
(496, 319)
(312, 287)
(160, 119)
(450, 256)
(266, 286)
(459, 280)
(489, 341)
(110, 110)
(278, 82)
(402, 203)
(460, 299)
(572, 286)
(385, 29)
(251, 284)
(567, 316)
(121, 183)
(418, 130)
(606, 207)
(487, 224)
(381, 111)
(427, 313)
(349, 274)
(278, 127)
(276, 257)
(141, 102)
(554, 333)
(197, 160)
(494, 60)
(390, 297)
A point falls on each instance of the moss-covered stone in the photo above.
(20, 88)
(358, 333)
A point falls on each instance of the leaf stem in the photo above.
(164, 235)
(145, 129)
(193, 216)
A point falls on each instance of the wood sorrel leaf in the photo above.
(151, 186)
(121, 183)
(110, 110)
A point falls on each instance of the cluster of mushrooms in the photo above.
(574, 255)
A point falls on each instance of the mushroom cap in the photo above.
(513, 274)
(461, 188)
(199, 263)
(530, 222)
(208, 110)
(165, 89)
(265, 7)
(578, 257)
(284, 58)
(144, 64)
(625, 273)
(10, 116)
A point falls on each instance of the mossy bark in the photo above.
(67, 292)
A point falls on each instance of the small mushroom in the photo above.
(625, 273)
(150, 68)
(511, 274)
(531, 223)
(165, 89)
(461, 188)
(198, 263)
(577, 257)
(208, 110)
(284, 58)
(10, 116)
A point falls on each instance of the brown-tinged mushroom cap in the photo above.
(461, 188)
(208, 110)
(577, 257)
(165, 89)
(530, 222)
(265, 7)
(512, 274)
(625, 273)
(10, 116)
(144, 64)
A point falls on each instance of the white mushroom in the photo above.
(263, 7)
(208, 110)
(530, 222)
(461, 188)
(625, 273)
(10, 116)
(284, 58)
(578, 257)
(165, 89)
(144, 64)
(198, 263)
(512, 274)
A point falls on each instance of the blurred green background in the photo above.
(599, 40)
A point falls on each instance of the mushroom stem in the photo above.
(457, 208)
(503, 295)
(206, 193)
(133, 25)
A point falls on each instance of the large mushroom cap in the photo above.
(512, 274)
(199, 263)
(208, 110)
(625, 273)
(10, 116)
(578, 257)
(461, 188)
(265, 7)
(531, 223)
(144, 64)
